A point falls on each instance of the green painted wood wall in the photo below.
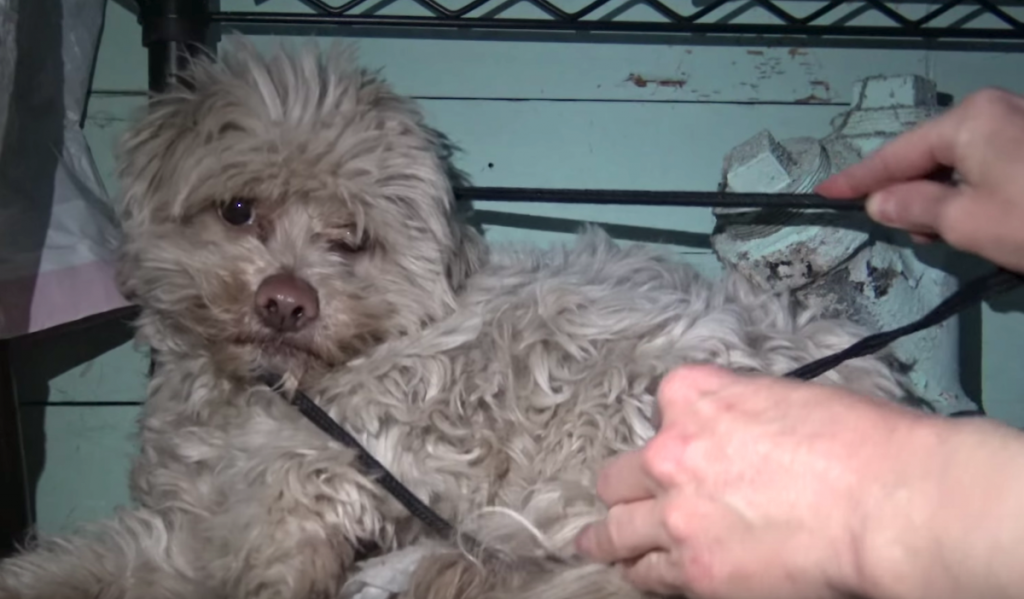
(526, 113)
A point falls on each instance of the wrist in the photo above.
(894, 530)
(945, 521)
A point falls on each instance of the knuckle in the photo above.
(987, 110)
(661, 459)
(672, 387)
(954, 229)
(617, 524)
(682, 388)
(605, 484)
(988, 99)
(699, 571)
(677, 524)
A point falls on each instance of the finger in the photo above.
(688, 384)
(913, 155)
(624, 480)
(917, 206)
(954, 214)
(923, 238)
(656, 572)
(629, 531)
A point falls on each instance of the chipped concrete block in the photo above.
(844, 268)
(761, 163)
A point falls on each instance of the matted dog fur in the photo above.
(496, 378)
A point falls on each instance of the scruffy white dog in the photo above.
(294, 214)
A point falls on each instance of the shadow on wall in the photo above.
(626, 233)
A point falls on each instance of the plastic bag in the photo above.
(57, 229)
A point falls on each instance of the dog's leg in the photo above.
(292, 534)
(281, 556)
(136, 555)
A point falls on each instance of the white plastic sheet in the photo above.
(57, 230)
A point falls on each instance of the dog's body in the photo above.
(480, 378)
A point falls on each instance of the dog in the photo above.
(289, 212)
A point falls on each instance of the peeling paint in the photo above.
(641, 81)
(102, 119)
(822, 84)
(811, 99)
(769, 67)
(881, 278)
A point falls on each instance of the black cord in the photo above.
(705, 199)
(978, 290)
(370, 466)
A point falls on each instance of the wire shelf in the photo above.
(982, 20)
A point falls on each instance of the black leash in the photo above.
(370, 466)
(978, 290)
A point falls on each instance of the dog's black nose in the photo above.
(286, 303)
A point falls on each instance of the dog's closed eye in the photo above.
(238, 212)
(349, 240)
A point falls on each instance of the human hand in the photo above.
(757, 487)
(982, 140)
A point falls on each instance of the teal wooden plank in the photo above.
(579, 144)
(962, 73)
(1002, 351)
(79, 457)
(97, 365)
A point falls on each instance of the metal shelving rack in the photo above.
(174, 29)
(172, 25)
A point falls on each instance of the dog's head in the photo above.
(287, 211)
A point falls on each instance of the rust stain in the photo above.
(811, 99)
(755, 52)
(636, 80)
(641, 81)
(794, 52)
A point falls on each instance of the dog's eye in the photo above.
(349, 241)
(237, 211)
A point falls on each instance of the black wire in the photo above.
(715, 199)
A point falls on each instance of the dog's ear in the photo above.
(469, 253)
